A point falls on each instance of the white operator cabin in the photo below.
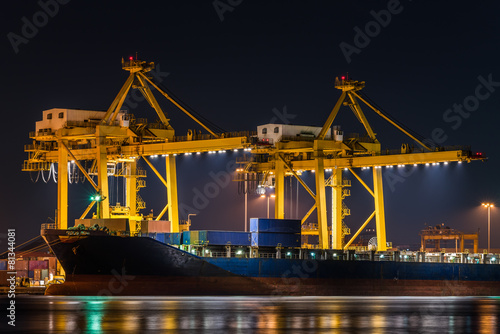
(273, 133)
(57, 118)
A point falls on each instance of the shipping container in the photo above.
(31, 273)
(3, 264)
(38, 274)
(3, 278)
(220, 238)
(45, 274)
(186, 237)
(160, 237)
(52, 263)
(216, 238)
(269, 225)
(155, 226)
(173, 238)
(38, 265)
(275, 239)
(22, 273)
(52, 272)
(193, 237)
(22, 265)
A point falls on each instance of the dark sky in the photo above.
(244, 64)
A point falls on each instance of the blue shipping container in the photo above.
(220, 238)
(275, 225)
(173, 238)
(273, 239)
(3, 264)
(31, 273)
(215, 238)
(160, 237)
(186, 237)
(194, 237)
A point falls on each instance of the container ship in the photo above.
(266, 261)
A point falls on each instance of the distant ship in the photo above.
(97, 263)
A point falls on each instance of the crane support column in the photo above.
(379, 209)
(279, 180)
(102, 173)
(131, 189)
(321, 200)
(173, 204)
(337, 242)
(62, 188)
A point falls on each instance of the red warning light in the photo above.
(131, 58)
(342, 77)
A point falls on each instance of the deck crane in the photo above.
(292, 155)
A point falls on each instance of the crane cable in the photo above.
(38, 248)
(392, 118)
(211, 124)
(24, 243)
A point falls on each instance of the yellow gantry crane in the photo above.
(69, 136)
(293, 155)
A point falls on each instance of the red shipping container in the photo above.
(38, 265)
(52, 263)
(22, 273)
(155, 226)
(22, 265)
(3, 278)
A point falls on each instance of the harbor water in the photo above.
(48, 314)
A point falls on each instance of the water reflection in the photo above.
(244, 314)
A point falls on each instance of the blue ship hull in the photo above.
(98, 264)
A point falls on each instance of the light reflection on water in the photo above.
(257, 314)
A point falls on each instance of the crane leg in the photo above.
(379, 209)
(131, 192)
(337, 241)
(321, 202)
(62, 189)
(173, 208)
(279, 200)
(102, 175)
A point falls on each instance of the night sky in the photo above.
(245, 63)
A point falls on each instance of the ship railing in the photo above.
(218, 254)
(48, 226)
(267, 255)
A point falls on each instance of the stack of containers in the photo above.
(3, 273)
(186, 237)
(173, 238)
(267, 232)
(220, 238)
(167, 238)
(52, 266)
(36, 268)
(215, 238)
(22, 268)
